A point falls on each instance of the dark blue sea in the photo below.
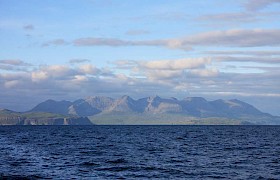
(140, 152)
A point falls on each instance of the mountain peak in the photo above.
(100, 102)
(126, 97)
(52, 106)
(153, 98)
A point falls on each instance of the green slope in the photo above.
(158, 119)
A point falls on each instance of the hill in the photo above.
(8, 117)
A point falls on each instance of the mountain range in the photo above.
(157, 110)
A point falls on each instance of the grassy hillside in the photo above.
(158, 119)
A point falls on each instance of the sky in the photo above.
(69, 49)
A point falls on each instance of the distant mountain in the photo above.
(82, 108)
(51, 106)
(100, 102)
(190, 110)
(8, 117)
(124, 104)
(235, 108)
(158, 105)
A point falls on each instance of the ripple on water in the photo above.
(140, 152)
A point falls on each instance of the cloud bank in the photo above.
(178, 76)
(227, 38)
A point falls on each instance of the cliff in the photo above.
(8, 117)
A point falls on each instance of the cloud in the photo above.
(57, 71)
(205, 72)
(55, 42)
(28, 27)
(168, 72)
(115, 42)
(53, 73)
(101, 42)
(179, 64)
(163, 74)
(229, 17)
(89, 69)
(59, 78)
(235, 18)
(12, 68)
(234, 38)
(14, 76)
(230, 38)
(246, 95)
(168, 65)
(255, 5)
(251, 53)
(11, 84)
(78, 61)
(39, 76)
(261, 59)
(13, 80)
(165, 16)
(137, 32)
(227, 38)
(14, 62)
(14, 65)
(67, 73)
(125, 64)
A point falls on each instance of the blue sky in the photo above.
(74, 49)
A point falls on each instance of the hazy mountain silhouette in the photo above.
(196, 107)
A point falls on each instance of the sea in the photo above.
(140, 152)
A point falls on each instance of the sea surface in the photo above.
(139, 152)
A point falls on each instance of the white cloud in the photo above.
(57, 70)
(204, 72)
(80, 78)
(179, 64)
(163, 74)
(39, 76)
(89, 69)
(168, 72)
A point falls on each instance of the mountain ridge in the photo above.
(188, 108)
